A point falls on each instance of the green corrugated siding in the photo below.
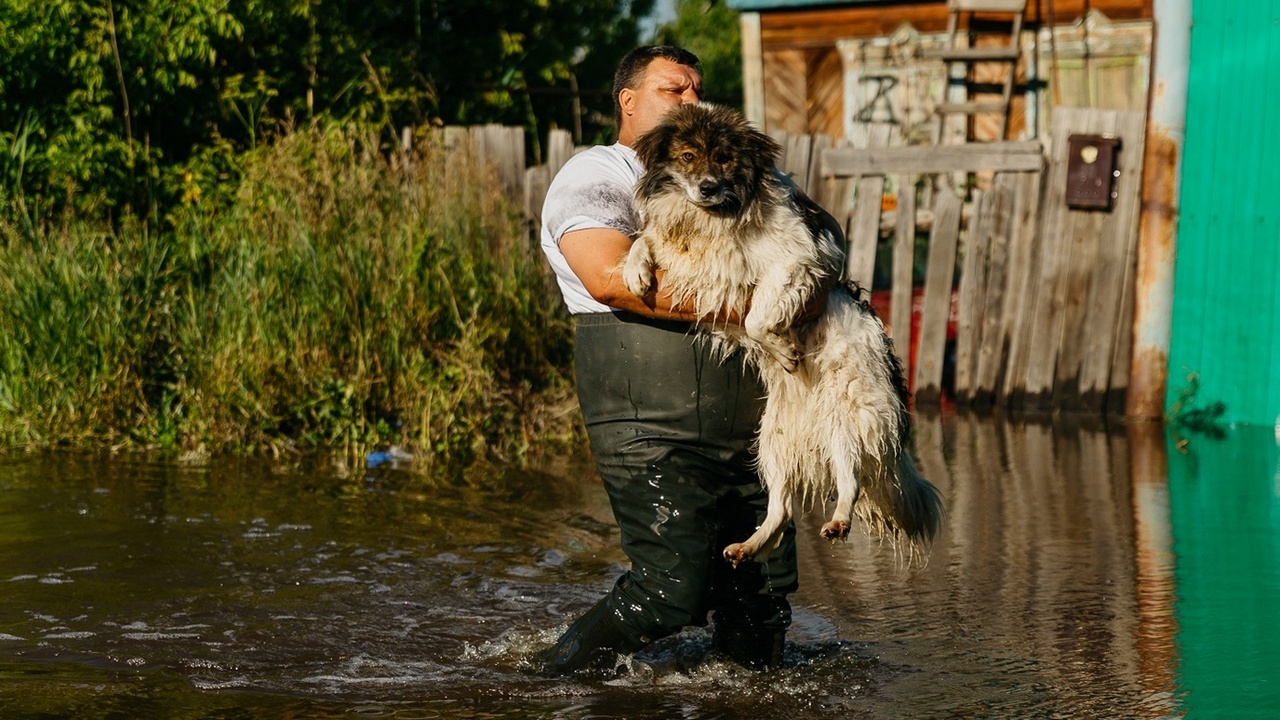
(1226, 304)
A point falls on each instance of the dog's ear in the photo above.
(761, 146)
(651, 147)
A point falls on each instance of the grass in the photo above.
(330, 297)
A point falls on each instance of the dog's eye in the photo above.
(722, 158)
(686, 157)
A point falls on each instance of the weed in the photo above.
(334, 297)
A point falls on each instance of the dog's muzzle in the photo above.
(710, 193)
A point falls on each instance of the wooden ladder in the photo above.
(1014, 12)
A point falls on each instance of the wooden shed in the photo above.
(832, 66)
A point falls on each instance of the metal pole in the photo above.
(1158, 224)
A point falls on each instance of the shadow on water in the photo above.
(1081, 573)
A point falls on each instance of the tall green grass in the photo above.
(334, 297)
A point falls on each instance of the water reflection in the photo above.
(1224, 504)
(1082, 572)
(1028, 606)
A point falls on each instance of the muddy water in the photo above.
(1081, 573)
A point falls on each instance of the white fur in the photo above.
(773, 263)
(834, 423)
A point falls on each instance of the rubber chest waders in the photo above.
(672, 430)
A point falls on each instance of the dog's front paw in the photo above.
(637, 275)
(835, 530)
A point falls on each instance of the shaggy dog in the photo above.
(730, 232)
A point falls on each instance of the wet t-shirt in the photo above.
(592, 190)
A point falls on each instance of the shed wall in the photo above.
(822, 26)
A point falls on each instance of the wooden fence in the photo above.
(502, 148)
(1031, 300)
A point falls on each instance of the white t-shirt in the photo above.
(592, 190)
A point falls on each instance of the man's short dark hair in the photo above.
(633, 64)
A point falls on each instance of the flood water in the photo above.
(1081, 573)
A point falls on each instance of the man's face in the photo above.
(666, 84)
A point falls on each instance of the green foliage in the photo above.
(103, 92)
(711, 31)
(209, 239)
(118, 100)
(332, 298)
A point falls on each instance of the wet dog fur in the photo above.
(729, 231)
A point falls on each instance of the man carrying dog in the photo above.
(671, 428)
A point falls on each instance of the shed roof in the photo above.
(788, 4)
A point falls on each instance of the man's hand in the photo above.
(597, 256)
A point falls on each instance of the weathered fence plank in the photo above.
(929, 159)
(813, 180)
(902, 295)
(1024, 286)
(559, 150)
(937, 296)
(836, 195)
(995, 312)
(796, 155)
(801, 158)
(864, 230)
(973, 287)
(536, 181)
(504, 148)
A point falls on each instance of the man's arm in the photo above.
(596, 256)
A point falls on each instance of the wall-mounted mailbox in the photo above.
(1091, 171)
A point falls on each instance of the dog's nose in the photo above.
(708, 188)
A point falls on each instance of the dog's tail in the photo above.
(919, 506)
(900, 506)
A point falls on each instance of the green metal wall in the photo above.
(1226, 302)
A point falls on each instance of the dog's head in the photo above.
(711, 153)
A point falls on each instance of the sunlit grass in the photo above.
(335, 297)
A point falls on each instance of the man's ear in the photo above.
(627, 100)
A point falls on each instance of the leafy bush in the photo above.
(332, 297)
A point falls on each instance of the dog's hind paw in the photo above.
(787, 355)
(835, 530)
(738, 553)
